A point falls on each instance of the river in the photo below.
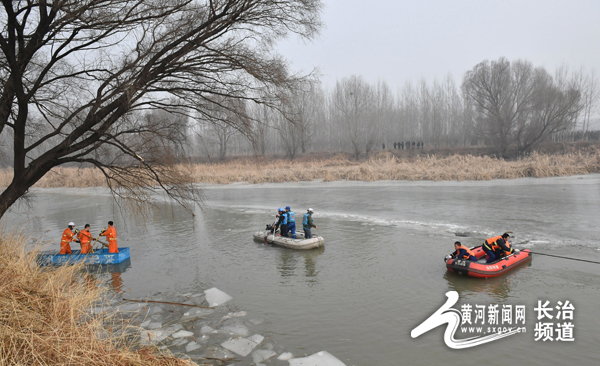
(380, 273)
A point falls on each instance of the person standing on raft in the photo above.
(67, 237)
(111, 236)
(291, 219)
(307, 223)
(282, 223)
(85, 238)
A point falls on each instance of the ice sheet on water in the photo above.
(234, 315)
(241, 346)
(131, 307)
(216, 297)
(152, 336)
(154, 325)
(322, 358)
(192, 346)
(179, 342)
(257, 338)
(183, 334)
(206, 329)
(173, 328)
(155, 310)
(194, 314)
(235, 327)
(262, 355)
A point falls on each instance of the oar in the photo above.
(99, 235)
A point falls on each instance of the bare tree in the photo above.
(79, 67)
(499, 94)
(555, 106)
(224, 117)
(352, 106)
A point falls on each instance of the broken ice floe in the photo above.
(243, 346)
(216, 297)
(285, 356)
(322, 358)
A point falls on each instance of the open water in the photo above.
(380, 273)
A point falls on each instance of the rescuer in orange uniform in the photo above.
(111, 236)
(463, 252)
(497, 247)
(85, 238)
(67, 237)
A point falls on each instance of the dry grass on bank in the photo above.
(42, 314)
(382, 166)
(386, 166)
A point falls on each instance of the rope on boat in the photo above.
(560, 256)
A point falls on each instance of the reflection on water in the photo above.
(115, 270)
(289, 259)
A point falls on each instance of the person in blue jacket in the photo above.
(291, 220)
(282, 222)
(463, 252)
(307, 223)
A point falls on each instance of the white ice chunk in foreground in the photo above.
(216, 297)
(183, 334)
(322, 358)
(192, 347)
(262, 355)
(257, 338)
(206, 329)
(152, 336)
(285, 356)
(236, 329)
(241, 346)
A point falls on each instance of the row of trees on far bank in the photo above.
(500, 103)
(133, 86)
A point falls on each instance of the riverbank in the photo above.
(45, 318)
(411, 165)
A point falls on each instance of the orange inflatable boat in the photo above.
(486, 270)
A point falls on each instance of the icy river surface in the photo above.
(380, 274)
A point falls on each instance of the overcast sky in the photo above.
(399, 40)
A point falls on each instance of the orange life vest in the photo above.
(67, 237)
(469, 252)
(85, 238)
(491, 244)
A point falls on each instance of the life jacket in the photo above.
(469, 252)
(490, 243)
(285, 219)
(111, 236)
(291, 216)
(67, 236)
(84, 237)
(305, 219)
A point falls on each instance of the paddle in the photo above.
(99, 235)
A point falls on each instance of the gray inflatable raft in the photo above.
(282, 241)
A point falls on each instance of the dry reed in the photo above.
(44, 317)
(382, 166)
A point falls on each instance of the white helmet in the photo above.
(71, 223)
(310, 210)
